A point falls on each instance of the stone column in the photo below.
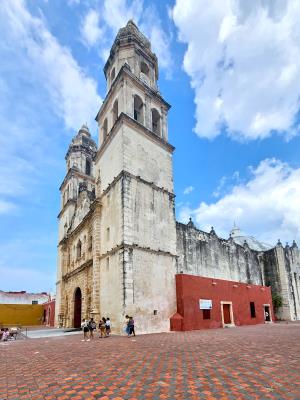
(164, 124)
(121, 97)
(147, 113)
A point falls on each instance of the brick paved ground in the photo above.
(257, 362)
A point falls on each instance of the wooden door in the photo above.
(226, 314)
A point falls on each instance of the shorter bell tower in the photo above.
(80, 174)
(78, 183)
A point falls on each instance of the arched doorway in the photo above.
(77, 308)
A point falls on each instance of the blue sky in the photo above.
(231, 72)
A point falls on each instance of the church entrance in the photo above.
(77, 308)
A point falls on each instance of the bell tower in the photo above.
(133, 166)
(80, 174)
(79, 180)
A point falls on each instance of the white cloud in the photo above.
(39, 79)
(243, 59)
(188, 190)
(267, 206)
(90, 29)
(226, 183)
(160, 41)
(73, 94)
(114, 15)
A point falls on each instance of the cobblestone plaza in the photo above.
(253, 362)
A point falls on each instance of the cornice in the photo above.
(98, 201)
(85, 219)
(127, 246)
(75, 172)
(69, 202)
(124, 118)
(76, 271)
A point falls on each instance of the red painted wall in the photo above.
(49, 313)
(190, 289)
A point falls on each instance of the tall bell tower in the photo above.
(136, 251)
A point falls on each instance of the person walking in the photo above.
(102, 328)
(85, 328)
(107, 326)
(92, 327)
(131, 330)
(126, 329)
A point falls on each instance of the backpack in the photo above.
(93, 325)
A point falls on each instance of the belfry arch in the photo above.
(138, 109)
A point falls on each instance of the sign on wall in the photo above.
(205, 304)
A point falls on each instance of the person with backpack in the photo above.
(92, 326)
(131, 330)
(107, 326)
(85, 328)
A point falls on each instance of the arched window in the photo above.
(87, 167)
(112, 75)
(78, 250)
(104, 129)
(138, 109)
(155, 121)
(115, 111)
(144, 68)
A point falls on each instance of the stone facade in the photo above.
(117, 229)
(119, 245)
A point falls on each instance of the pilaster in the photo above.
(96, 222)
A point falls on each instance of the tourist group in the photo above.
(89, 327)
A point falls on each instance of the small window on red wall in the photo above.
(252, 309)
(206, 314)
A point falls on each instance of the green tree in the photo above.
(277, 301)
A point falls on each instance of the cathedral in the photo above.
(120, 248)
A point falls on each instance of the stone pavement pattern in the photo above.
(254, 362)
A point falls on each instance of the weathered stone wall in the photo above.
(282, 270)
(205, 254)
(154, 295)
(149, 261)
(147, 156)
(111, 289)
(149, 220)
